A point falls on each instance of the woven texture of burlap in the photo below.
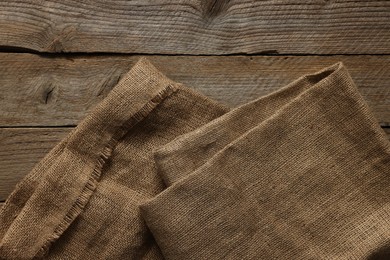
(81, 200)
(303, 173)
(158, 171)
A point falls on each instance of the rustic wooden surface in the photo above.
(60, 91)
(21, 149)
(197, 26)
(58, 59)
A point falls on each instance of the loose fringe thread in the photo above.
(103, 157)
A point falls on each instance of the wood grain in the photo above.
(197, 27)
(22, 148)
(57, 91)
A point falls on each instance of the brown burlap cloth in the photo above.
(302, 173)
(82, 200)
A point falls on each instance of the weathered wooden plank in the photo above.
(22, 148)
(48, 91)
(197, 27)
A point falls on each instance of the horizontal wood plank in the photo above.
(198, 27)
(22, 148)
(59, 91)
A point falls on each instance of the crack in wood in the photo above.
(215, 7)
(48, 95)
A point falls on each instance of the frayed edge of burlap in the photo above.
(104, 156)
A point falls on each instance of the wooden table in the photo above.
(60, 58)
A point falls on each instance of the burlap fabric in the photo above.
(81, 201)
(303, 173)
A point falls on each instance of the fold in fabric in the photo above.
(81, 201)
(303, 173)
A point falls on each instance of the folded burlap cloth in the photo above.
(302, 173)
(82, 201)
